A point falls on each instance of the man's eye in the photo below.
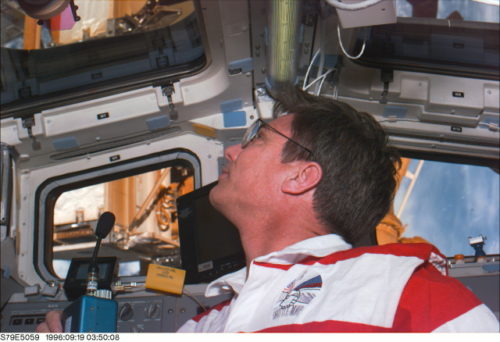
(253, 139)
(257, 136)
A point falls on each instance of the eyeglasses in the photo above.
(254, 129)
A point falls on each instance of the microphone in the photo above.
(95, 311)
(104, 225)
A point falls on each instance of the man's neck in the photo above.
(264, 237)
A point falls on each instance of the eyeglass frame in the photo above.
(254, 129)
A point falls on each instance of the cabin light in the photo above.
(459, 258)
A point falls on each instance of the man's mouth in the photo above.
(224, 172)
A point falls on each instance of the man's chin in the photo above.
(217, 196)
(213, 195)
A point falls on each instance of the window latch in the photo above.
(167, 91)
(28, 123)
(387, 76)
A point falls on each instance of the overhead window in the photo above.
(456, 37)
(100, 46)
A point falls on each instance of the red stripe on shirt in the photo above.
(269, 265)
(217, 307)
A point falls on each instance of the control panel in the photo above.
(138, 313)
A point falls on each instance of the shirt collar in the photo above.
(318, 246)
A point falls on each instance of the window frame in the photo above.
(48, 192)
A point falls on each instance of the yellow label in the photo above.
(165, 279)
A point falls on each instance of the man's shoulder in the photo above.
(430, 300)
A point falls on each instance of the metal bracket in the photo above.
(168, 90)
(387, 76)
(28, 123)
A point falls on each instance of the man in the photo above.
(301, 189)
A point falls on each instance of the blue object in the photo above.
(65, 143)
(395, 111)
(489, 121)
(491, 268)
(478, 248)
(90, 314)
(231, 105)
(158, 122)
(330, 61)
(235, 119)
(241, 65)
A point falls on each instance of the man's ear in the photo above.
(303, 176)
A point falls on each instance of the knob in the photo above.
(152, 311)
(126, 312)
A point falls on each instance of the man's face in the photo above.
(253, 175)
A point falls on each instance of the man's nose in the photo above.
(232, 152)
